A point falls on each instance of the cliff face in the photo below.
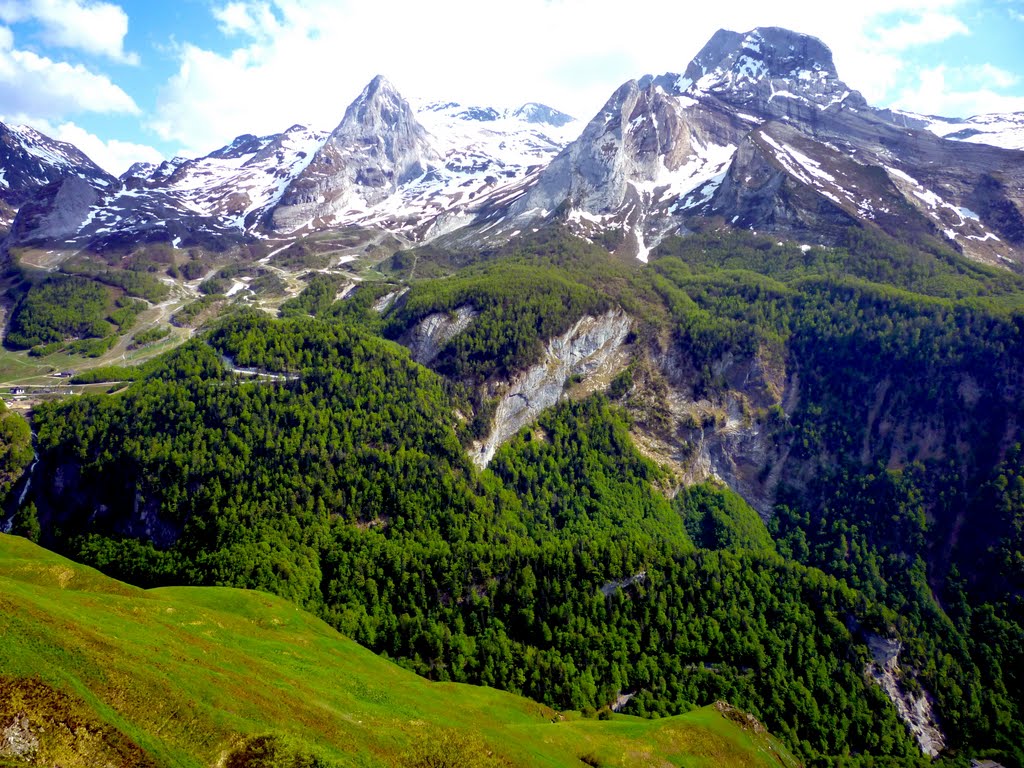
(587, 355)
(761, 133)
(378, 146)
(428, 338)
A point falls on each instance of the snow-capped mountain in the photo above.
(235, 183)
(761, 133)
(211, 200)
(415, 173)
(758, 132)
(421, 172)
(378, 147)
(29, 161)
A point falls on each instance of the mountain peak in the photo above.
(769, 71)
(378, 146)
(379, 84)
(781, 53)
(730, 59)
(379, 108)
(532, 112)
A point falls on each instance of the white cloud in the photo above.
(36, 85)
(254, 19)
(307, 59)
(925, 29)
(960, 91)
(113, 156)
(97, 28)
(992, 75)
(36, 90)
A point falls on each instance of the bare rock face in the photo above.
(426, 340)
(637, 133)
(773, 71)
(762, 133)
(588, 349)
(648, 154)
(57, 211)
(378, 146)
(915, 709)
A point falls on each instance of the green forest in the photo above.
(576, 568)
(73, 314)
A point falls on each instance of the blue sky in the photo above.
(146, 79)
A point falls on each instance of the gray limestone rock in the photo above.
(378, 146)
(57, 211)
(587, 349)
(426, 340)
(760, 132)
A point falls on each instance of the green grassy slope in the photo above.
(95, 672)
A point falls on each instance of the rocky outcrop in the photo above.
(774, 72)
(761, 133)
(915, 709)
(56, 213)
(723, 434)
(646, 154)
(17, 739)
(428, 337)
(591, 350)
(378, 146)
(29, 161)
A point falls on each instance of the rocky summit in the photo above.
(759, 132)
(378, 147)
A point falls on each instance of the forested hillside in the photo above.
(871, 395)
(97, 672)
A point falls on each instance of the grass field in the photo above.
(94, 672)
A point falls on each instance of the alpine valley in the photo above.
(696, 428)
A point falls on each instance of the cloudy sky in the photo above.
(147, 79)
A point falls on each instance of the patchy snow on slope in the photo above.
(708, 162)
(798, 164)
(234, 187)
(222, 192)
(489, 157)
(955, 221)
(998, 130)
(44, 149)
